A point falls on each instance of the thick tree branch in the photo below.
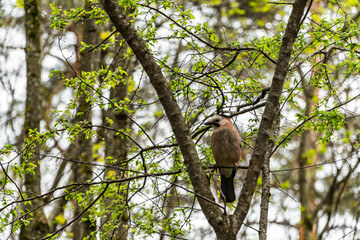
(172, 110)
(270, 112)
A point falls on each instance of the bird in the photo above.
(226, 149)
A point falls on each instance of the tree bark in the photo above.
(84, 147)
(304, 189)
(117, 147)
(38, 226)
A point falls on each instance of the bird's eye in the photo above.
(217, 120)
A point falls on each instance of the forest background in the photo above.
(107, 140)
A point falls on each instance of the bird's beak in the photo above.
(209, 123)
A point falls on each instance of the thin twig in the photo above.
(92, 49)
(281, 3)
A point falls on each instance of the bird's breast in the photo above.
(226, 146)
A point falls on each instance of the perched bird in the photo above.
(225, 145)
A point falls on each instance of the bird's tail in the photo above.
(227, 186)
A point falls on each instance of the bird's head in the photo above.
(218, 121)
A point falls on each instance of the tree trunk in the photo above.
(38, 226)
(116, 146)
(304, 189)
(84, 146)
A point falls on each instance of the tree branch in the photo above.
(237, 49)
(196, 172)
(270, 112)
